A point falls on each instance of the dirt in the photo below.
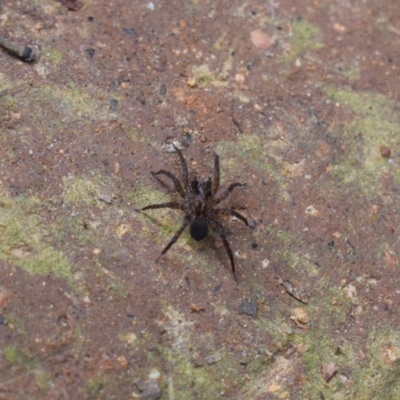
(298, 101)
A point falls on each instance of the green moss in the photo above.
(374, 124)
(67, 99)
(43, 379)
(350, 69)
(7, 102)
(26, 239)
(95, 387)
(4, 82)
(206, 77)
(378, 374)
(19, 358)
(134, 134)
(54, 56)
(80, 189)
(15, 323)
(256, 151)
(185, 379)
(221, 42)
(203, 74)
(305, 36)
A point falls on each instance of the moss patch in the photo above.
(26, 239)
(305, 36)
(19, 358)
(374, 124)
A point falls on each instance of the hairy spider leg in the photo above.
(174, 179)
(227, 191)
(178, 233)
(184, 167)
(173, 205)
(227, 211)
(215, 185)
(226, 245)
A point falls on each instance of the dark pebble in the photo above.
(90, 52)
(249, 308)
(130, 31)
(113, 105)
(385, 151)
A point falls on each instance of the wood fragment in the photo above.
(294, 291)
(213, 358)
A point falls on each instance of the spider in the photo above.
(199, 199)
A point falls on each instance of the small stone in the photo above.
(196, 308)
(328, 370)
(385, 151)
(130, 338)
(90, 52)
(260, 39)
(113, 105)
(122, 230)
(274, 388)
(311, 210)
(3, 297)
(74, 5)
(339, 27)
(203, 139)
(116, 168)
(130, 31)
(239, 78)
(265, 263)
(122, 361)
(249, 308)
(191, 81)
(150, 389)
(300, 317)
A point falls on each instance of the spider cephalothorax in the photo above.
(199, 199)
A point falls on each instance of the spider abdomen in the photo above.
(199, 228)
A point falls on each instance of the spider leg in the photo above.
(230, 212)
(174, 179)
(184, 167)
(178, 233)
(215, 185)
(227, 191)
(226, 245)
(173, 205)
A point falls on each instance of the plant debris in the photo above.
(213, 358)
(328, 370)
(294, 291)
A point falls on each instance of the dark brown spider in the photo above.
(199, 199)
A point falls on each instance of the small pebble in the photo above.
(3, 297)
(328, 370)
(191, 81)
(90, 52)
(385, 151)
(260, 39)
(113, 105)
(249, 308)
(116, 168)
